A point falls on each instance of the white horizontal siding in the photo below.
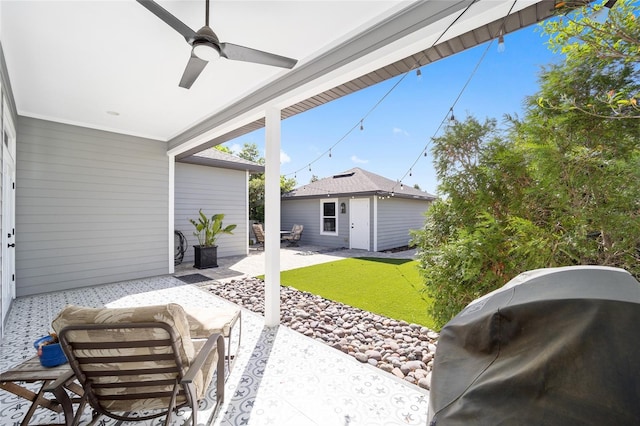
(213, 190)
(91, 207)
(396, 217)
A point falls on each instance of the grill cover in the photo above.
(556, 346)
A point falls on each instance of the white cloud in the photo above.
(284, 158)
(355, 159)
(399, 131)
(236, 148)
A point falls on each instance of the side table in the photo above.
(55, 380)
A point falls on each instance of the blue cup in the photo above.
(51, 354)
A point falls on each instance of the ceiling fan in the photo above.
(206, 47)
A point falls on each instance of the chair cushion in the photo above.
(204, 322)
(171, 314)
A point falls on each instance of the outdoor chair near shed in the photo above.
(294, 237)
(140, 363)
(259, 232)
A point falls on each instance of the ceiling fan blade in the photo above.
(168, 18)
(192, 71)
(246, 54)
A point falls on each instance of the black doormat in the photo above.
(194, 278)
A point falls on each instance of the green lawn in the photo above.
(389, 287)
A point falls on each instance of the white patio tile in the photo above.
(280, 378)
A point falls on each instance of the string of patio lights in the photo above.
(448, 117)
(600, 15)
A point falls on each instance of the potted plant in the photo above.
(207, 231)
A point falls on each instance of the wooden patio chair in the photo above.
(294, 237)
(257, 229)
(139, 363)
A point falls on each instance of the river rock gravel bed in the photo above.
(396, 347)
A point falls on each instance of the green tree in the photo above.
(613, 45)
(558, 187)
(251, 152)
(224, 149)
(256, 194)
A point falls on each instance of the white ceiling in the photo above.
(74, 61)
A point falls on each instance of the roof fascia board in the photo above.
(212, 162)
(416, 16)
(425, 197)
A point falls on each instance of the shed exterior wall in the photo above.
(214, 190)
(396, 217)
(306, 212)
(91, 207)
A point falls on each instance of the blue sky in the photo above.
(397, 131)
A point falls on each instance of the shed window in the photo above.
(329, 216)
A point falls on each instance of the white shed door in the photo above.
(359, 217)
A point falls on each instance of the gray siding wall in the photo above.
(396, 216)
(213, 190)
(91, 207)
(307, 213)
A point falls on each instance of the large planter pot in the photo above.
(205, 257)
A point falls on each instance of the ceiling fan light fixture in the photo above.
(206, 51)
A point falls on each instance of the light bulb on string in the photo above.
(361, 125)
(401, 186)
(452, 120)
(309, 167)
(329, 152)
(501, 46)
(425, 152)
(410, 172)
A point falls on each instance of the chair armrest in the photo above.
(205, 322)
(202, 356)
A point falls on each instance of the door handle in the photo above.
(11, 245)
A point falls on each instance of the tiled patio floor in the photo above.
(280, 378)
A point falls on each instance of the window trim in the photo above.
(322, 216)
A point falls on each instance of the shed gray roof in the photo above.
(216, 158)
(356, 182)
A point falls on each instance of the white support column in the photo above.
(272, 218)
(246, 210)
(171, 215)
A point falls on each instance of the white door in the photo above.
(359, 216)
(8, 218)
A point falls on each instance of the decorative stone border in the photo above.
(396, 347)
